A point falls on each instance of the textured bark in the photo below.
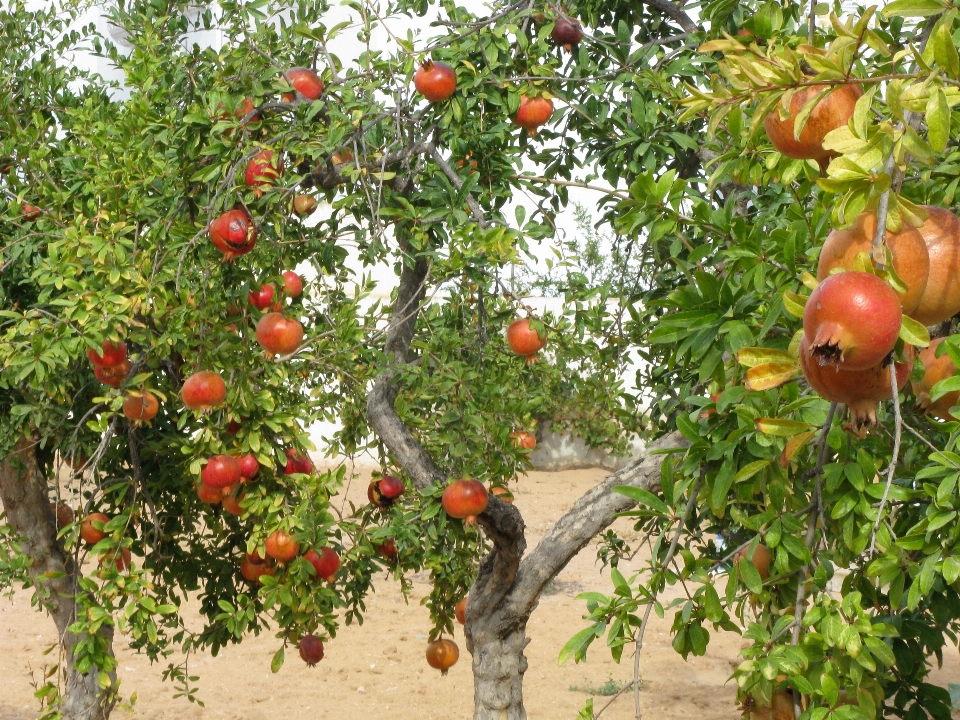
(498, 668)
(23, 492)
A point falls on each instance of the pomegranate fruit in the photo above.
(532, 113)
(30, 212)
(859, 390)
(524, 440)
(761, 559)
(833, 111)
(262, 298)
(249, 467)
(304, 205)
(253, 567)
(262, 171)
(209, 495)
(852, 321)
(461, 611)
(384, 491)
(245, 108)
(305, 81)
(941, 298)
(282, 547)
(112, 375)
(279, 335)
(311, 650)
(436, 81)
(231, 500)
(326, 562)
(388, 550)
(935, 370)
(233, 233)
(292, 284)
(121, 559)
(781, 708)
(442, 654)
(141, 406)
(63, 514)
(111, 354)
(524, 340)
(203, 391)
(567, 32)
(297, 463)
(465, 499)
(233, 427)
(911, 261)
(91, 529)
(502, 493)
(221, 471)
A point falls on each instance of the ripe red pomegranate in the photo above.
(524, 440)
(221, 471)
(910, 258)
(297, 463)
(384, 491)
(304, 205)
(279, 335)
(533, 113)
(112, 354)
(761, 559)
(209, 495)
(262, 171)
(91, 529)
(249, 467)
(567, 32)
(461, 611)
(253, 567)
(292, 284)
(262, 298)
(941, 298)
(388, 550)
(442, 654)
(524, 340)
(305, 81)
(30, 212)
(832, 112)
(233, 427)
(231, 500)
(311, 650)
(112, 375)
(852, 321)
(326, 562)
(282, 547)
(781, 708)
(233, 233)
(141, 406)
(465, 499)
(935, 370)
(121, 559)
(203, 391)
(859, 390)
(436, 81)
(502, 493)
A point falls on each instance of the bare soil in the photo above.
(377, 671)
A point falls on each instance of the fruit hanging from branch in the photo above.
(221, 471)
(112, 375)
(305, 81)
(435, 80)
(502, 493)
(911, 261)
(209, 495)
(249, 467)
(91, 529)
(297, 462)
(780, 708)
(233, 233)
(852, 321)
(311, 650)
(292, 284)
(231, 500)
(253, 568)
(465, 499)
(460, 611)
(567, 32)
(761, 559)
(111, 354)
(935, 370)
(203, 391)
(941, 297)
(524, 440)
(831, 112)
(442, 654)
(387, 550)
(524, 340)
(30, 212)
(262, 171)
(304, 205)
(278, 334)
(120, 559)
(141, 406)
(262, 298)
(281, 546)
(326, 562)
(385, 491)
(532, 113)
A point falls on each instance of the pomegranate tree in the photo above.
(436, 81)
(465, 499)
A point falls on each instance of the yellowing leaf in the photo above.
(794, 303)
(753, 356)
(793, 445)
(780, 427)
(770, 375)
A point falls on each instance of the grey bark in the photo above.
(23, 492)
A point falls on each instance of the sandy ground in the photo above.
(377, 670)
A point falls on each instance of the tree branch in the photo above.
(674, 12)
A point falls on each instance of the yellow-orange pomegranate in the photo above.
(941, 298)
(832, 112)
(937, 369)
(443, 655)
(780, 708)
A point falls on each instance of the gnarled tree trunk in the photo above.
(23, 492)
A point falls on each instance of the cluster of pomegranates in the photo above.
(92, 531)
(110, 365)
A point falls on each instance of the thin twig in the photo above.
(898, 427)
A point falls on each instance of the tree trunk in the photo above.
(23, 492)
(498, 668)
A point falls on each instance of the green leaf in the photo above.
(913, 8)
(754, 356)
(914, 333)
(938, 120)
(794, 303)
(748, 471)
(576, 646)
(780, 427)
(277, 661)
(750, 576)
(644, 497)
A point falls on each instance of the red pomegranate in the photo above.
(524, 440)
(304, 205)
(279, 335)
(442, 654)
(305, 81)
(233, 427)
(209, 495)
(297, 463)
(111, 354)
(253, 567)
(832, 112)
(249, 467)
(203, 391)
(461, 611)
(910, 258)
(233, 233)
(30, 212)
(311, 650)
(388, 550)
(326, 562)
(524, 340)
(533, 113)
(859, 390)
(231, 500)
(436, 81)
(141, 406)
(120, 560)
(567, 32)
(761, 560)
(852, 321)
(112, 375)
(262, 298)
(91, 529)
(221, 471)
(292, 284)
(262, 171)
(384, 491)
(282, 547)
(941, 298)
(465, 499)
(935, 370)
(502, 493)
